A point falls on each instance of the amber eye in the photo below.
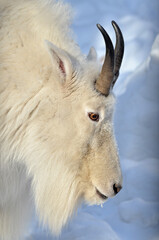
(94, 116)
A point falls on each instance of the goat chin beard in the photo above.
(64, 213)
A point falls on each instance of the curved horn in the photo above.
(119, 51)
(112, 62)
(103, 83)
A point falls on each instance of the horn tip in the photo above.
(114, 23)
(98, 26)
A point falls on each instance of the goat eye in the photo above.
(94, 116)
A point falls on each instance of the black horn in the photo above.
(119, 51)
(104, 81)
(112, 61)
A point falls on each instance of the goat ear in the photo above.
(92, 55)
(60, 60)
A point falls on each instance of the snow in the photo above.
(134, 212)
(139, 211)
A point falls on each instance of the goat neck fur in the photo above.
(51, 153)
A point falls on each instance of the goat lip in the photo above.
(101, 195)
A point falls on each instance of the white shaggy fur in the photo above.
(51, 153)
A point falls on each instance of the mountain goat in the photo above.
(57, 146)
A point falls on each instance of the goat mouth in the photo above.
(101, 195)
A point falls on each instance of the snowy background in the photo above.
(134, 212)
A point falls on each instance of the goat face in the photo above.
(96, 154)
(101, 175)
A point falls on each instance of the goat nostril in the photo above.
(117, 188)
